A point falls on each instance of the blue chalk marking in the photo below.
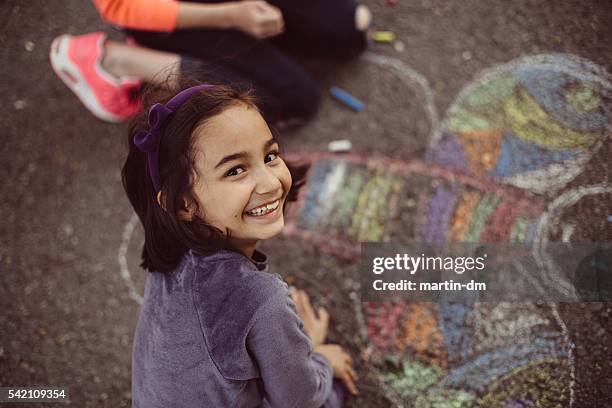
(476, 375)
(346, 98)
(548, 88)
(308, 216)
(453, 317)
(518, 155)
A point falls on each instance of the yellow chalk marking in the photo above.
(383, 36)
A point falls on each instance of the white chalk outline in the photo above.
(409, 77)
(549, 219)
(544, 180)
(562, 325)
(126, 237)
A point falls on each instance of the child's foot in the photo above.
(77, 60)
(363, 17)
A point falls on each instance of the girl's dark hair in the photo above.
(167, 237)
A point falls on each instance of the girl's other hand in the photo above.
(341, 363)
(258, 18)
(315, 324)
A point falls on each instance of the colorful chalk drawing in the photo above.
(428, 354)
(494, 171)
(350, 198)
(533, 122)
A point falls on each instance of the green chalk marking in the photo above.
(415, 379)
(437, 398)
(462, 120)
(479, 218)
(493, 91)
(346, 199)
(519, 229)
(583, 97)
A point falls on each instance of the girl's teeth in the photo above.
(264, 209)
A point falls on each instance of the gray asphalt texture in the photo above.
(66, 315)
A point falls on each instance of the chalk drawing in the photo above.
(533, 122)
(423, 351)
(571, 346)
(353, 198)
(409, 77)
(128, 231)
(552, 218)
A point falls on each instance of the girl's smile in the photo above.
(242, 182)
(264, 210)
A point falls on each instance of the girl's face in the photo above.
(242, 182)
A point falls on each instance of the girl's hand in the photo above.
(257, 18)
(341, 363)
(315, 324)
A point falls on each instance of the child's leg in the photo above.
(153, 66)
(323, 28)
(285, 90)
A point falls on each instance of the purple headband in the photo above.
(148, 140)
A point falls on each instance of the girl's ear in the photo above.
(187, 212)
(159, 200)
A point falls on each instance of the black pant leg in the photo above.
(317, 28)
(320, 28)
(284, 88)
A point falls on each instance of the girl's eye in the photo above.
(271, 156)
(235, 171)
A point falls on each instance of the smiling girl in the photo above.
(217, 329)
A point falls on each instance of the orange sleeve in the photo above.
(147, 15)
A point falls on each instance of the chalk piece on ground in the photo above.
(339, 146)
(383, 36)
(392, 2)
(346, 98)
(399, 46)
(19, 104)
(609, 218)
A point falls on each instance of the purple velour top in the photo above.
(221, 331)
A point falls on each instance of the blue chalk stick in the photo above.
(609, 218)
(346, 98)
